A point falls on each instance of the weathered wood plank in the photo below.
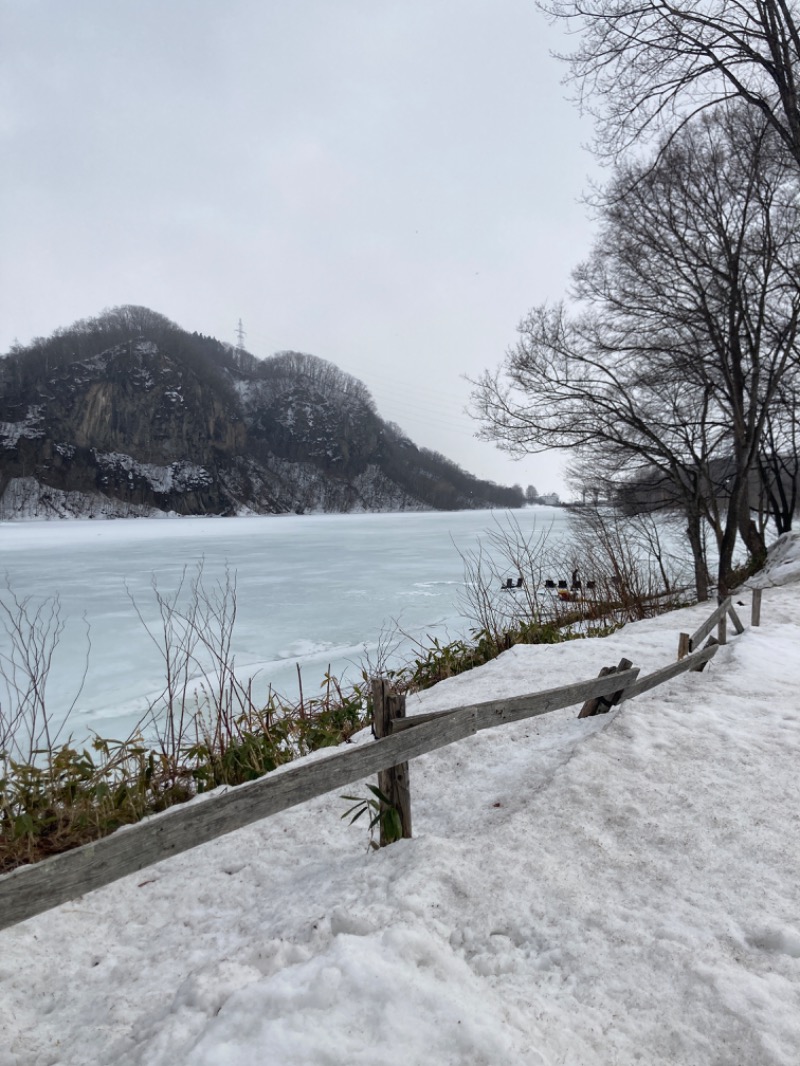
(29, 890)
(712, 642)
(590, 706)
(734, 617)
(710, 622)
(402, 725)
(666, 673)
(603, 704)
(755, 616)
(517, 708)
(722, 629)
(394, 782)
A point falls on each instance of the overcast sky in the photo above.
(388, 184)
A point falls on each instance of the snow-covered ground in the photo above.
(620, 890)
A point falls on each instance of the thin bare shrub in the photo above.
(507, 553)
(55, 794)
(632, 562)
(520, 586)
(206, 723)
(33, 631)
(170, 716)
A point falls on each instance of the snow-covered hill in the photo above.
(620, 890)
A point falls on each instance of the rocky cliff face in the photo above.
(128, 414)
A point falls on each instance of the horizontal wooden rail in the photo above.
(515, 709)
(695, 661)
(709, 623)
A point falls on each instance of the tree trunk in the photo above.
(751, 535)
(726, 544)
(694, 532)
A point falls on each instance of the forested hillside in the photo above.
(127, 413)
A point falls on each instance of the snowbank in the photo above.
(616, 890)
(783, 564)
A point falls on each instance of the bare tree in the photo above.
(649, 65)
(685, 324)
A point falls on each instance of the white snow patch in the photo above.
(30, 427)
(783, 564)
(180, 476)
(25, 499)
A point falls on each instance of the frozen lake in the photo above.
(313, 590)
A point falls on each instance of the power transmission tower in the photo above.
(240, 336)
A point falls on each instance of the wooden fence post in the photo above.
(755, 617)
(684, 645)
(603, 704)
(394, 783)
(722, 629)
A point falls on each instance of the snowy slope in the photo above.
(618, 890)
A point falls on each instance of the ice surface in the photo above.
(313, 590)
(618, 891)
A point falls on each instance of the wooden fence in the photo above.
(30, 890)
(719, 618)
